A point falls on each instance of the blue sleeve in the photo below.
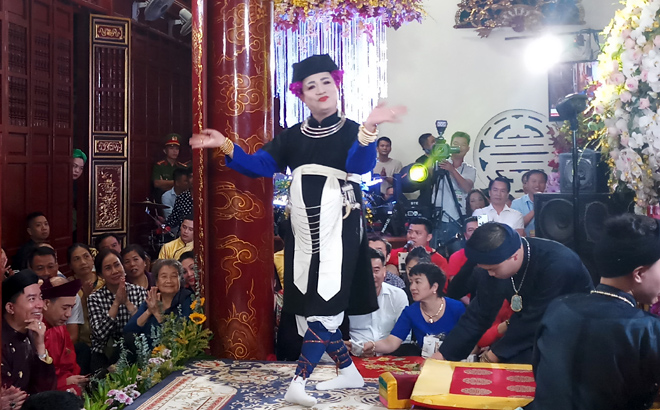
(403, 325)
(259, 164)
(132, 325)
(361, 159)
(518, 205)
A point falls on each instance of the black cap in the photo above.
(320, 63)
(16, 283)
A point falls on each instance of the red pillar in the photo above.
(232, 92)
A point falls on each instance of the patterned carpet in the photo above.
(234, 385)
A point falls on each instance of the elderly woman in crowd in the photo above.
(135, 261)
(430, 318)
(167, 296)
(111, 307)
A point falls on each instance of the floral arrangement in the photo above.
(626, 113)
(288, 13)
(178, 340)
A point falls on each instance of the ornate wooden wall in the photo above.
(109, 119)
(161, 103)
(36, 123)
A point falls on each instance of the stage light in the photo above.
(418, 173)
(543, 53)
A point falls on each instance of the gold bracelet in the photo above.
(366, 137)
(227, 147)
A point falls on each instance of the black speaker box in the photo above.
(553, 218)
(592, 172)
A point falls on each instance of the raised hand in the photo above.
(384, 113)
(121, 296)
(208, 138)
(153, 301)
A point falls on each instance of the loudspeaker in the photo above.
(592, 173)
(553, 217)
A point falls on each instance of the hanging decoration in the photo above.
(393, 13)
(363, 58)
(520, 15)
(627, 106)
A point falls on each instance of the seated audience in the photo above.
(181, 184)
(415, 256)
(108, 241)
(529, 273)
(184, 243)
(476, 199)
(430, 318)
(419, 234)
(59, 297)
(50, 400)
(25, 360)
(498, 210)
(39, 231)
(534, 182)
(43, 262)
(187, 260)
(380, 243)
(166, 297)
(182, 206)
(135, 261)
(391, 302)
(111, 307)
(597, 350)
(458, 259)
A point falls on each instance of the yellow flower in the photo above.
(181, 341)
(201, 303)
(197, 318)
(157, 349)
(193, 305)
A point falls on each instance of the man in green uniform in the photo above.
(163, 170)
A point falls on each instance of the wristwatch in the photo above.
(46, 358)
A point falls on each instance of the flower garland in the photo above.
(627, 105)
(394, 13)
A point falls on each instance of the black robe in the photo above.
(596, 352)
(341, 151)
(21, 367)
(554, 270)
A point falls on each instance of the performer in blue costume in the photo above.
(327, 270)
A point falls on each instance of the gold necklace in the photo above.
(430, 317)
(612, 295)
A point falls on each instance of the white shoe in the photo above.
(296, 393)
(349, 378)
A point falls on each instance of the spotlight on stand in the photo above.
(418, 173)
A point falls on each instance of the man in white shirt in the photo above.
(498, 211)
(377, 325)
(462, 176)
(534, 182)
(181, 184)
(386, 167)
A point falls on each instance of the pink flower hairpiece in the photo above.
(296, 88)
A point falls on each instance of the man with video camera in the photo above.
(450, 179)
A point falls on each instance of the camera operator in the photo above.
(462, 176)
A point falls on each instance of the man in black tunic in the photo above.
(326, 267)
(598, 351)
(25, 360)
(529, 273)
